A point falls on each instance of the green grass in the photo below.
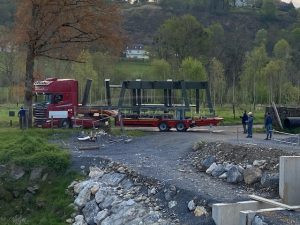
(50, 206)
(136, 69)
(4, 117)
(31, 148)
(132, 133)
(226, 113)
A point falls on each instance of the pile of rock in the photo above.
(110, 197)
(232, 173)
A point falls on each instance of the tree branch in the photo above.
(61, 58)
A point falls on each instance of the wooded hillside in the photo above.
(249, 54)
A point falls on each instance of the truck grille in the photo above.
(39, 114)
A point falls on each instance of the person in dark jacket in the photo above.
(22, 117)
(250, 124)
(268, 126)
(244, 120)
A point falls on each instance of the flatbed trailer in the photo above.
(165, 124)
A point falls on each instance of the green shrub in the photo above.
(28, 150)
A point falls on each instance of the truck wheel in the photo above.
(65, 123)
(163, 127)
(180, 127)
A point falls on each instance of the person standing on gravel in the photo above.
(268, 126)
(244, 120)
(250, 124)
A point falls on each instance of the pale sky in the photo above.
(296, 2)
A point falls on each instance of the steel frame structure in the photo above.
(136, 88)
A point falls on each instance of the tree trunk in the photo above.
(29, 83)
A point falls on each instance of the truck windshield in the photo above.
(43, 98)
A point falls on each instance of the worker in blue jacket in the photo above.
(250, 125)
(244, 120)
(22, 117)
(268, 126)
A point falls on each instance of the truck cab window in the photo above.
(57, 99)
(43, 98)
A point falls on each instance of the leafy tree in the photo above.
(103, 64)
(217, 38)
(181, 37)
(82, 71)
(268, 9)
(282, 50)
(296, 36)
(253, 73)
(193, 69)
(274, 71)
(261, 37)
(258, 3)
(60, 29)
(161, 69)
(216, 80)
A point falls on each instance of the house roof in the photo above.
(135, 47)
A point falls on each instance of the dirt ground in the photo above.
(168, 158)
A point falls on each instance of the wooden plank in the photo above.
(275, 203)
(277, 115)
(89, 147)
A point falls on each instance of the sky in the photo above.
(296, 2)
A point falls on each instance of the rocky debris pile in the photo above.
(257, 220)
(244, 166)
(98, 139)
(111, 197)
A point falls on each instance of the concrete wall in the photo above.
(229, 213)
(289, 179)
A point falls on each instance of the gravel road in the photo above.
(163, 156)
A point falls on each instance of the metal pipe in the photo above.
(291, 122)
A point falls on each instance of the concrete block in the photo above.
(246, 217)
(229, 213)
(289, 179)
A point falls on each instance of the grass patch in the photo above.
(136, 69)
(5, 119)
(226, 113)
(50, 206)
(31, 148)
(131, 133)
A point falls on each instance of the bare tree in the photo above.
(60, 29)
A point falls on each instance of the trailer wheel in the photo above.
(163, 127)
(180, 127)
(65, 123)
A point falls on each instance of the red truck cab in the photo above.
(57, 99)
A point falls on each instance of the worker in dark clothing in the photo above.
(268, 126)
(250, 124)
(22, 117)
(244, 119)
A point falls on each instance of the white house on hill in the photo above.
(136, 51)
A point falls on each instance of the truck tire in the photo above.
(65, 123)
(163, 127)
(180, 127)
